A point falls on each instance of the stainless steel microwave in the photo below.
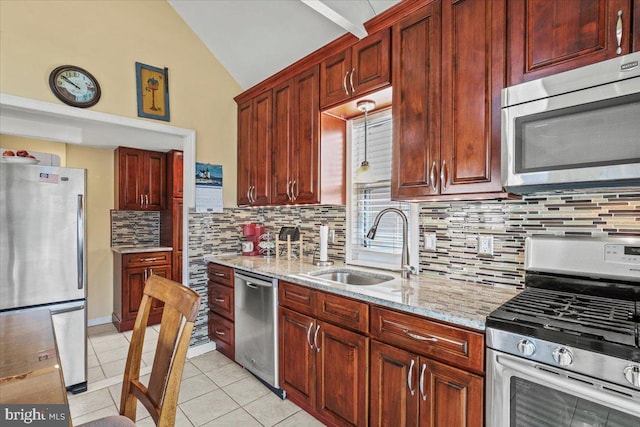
(576, 129)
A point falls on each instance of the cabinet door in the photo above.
(260, 151)
(177, 267)
(155, 179)
(416, 103)
(334, 76)
(550, 36)
(283, 117)
(371, 63)
(473, 39)
(133, 281)
(453, 397)
(176, 220)
(156, 306)
(129, 185)
(245, 132)
(175, 166)
(297, 357)
(305, 152)
(394, 386)
(342, 367)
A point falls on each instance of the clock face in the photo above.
(74, 86)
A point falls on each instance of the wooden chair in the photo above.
(160, 398)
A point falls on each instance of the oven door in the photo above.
(581, 138)
(523, 393)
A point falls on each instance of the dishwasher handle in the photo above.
(253, 282)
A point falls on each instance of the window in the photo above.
(365, 201)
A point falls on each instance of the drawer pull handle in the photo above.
(149, 259)
(219, 299)
(419, 337)
(410, 379)
(215, 273)
(221, 333)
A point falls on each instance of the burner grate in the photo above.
(605, 318)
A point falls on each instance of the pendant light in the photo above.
(364, 174)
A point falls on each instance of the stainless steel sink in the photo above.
(352, 277)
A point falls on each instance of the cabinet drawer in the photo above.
(295, 297)
(343, 311)
(222, 332)
(221, 299)
(146, 259)
(452, 345)
(220, 274)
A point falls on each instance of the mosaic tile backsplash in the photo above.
(135, 228)
(456, 224)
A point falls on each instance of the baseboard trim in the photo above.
(200, 349)
(99, 321)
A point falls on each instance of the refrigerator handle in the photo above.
(67, 310)
(80, 229)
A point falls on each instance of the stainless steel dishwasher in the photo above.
(256, 326)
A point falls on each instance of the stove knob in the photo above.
(632, 374)
(562, 356)
(526, 347)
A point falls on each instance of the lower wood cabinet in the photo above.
(350, 363)
(131, 272)
(221, 308)
(324, 368)
(412, 390)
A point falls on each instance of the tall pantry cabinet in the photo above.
(171, 219)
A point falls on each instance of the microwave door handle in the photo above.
(619, 33)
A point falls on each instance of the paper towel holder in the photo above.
(317, 262)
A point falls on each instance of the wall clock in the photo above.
(74, 86)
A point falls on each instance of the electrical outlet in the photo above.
(485, 245)
(332, 236)
(430, 241)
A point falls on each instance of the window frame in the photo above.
(367, 257)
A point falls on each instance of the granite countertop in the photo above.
(458, 302)
(140, 249)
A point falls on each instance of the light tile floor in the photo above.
(214, 391)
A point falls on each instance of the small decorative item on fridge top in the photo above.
(152, 88)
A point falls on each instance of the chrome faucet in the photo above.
(405, 266)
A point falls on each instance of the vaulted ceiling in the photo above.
(254, 39)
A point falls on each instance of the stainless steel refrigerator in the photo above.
(43, 255)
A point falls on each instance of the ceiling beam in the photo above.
(354, 28)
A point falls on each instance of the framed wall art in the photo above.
(152, 87)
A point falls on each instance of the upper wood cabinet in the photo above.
(281, 157)
(175, 161)
(254, 150)
(550, 36)
(416, 103)
(296, 137)
(357, 70)
(140, 179)
(448, 72)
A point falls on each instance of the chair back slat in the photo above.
(160, 398)
(169, 330)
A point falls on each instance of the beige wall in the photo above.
(107, 38)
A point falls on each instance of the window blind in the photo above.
(367, 200)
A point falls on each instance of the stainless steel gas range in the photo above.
(566, 351)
